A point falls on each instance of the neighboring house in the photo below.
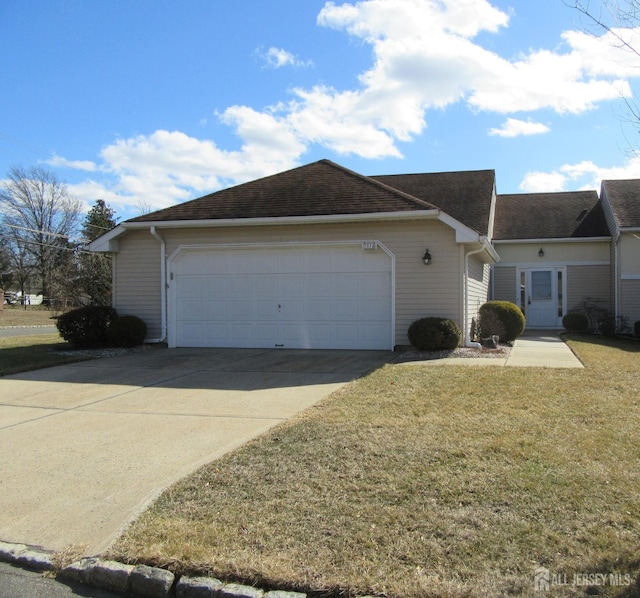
(554, 254)
(621, 202)
(323, 257)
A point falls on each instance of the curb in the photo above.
(133, 580)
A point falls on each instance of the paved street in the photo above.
(21, 583)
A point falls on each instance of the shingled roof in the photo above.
(325, 188)
(317, 189)
(466, 196)
(624, 199)
(575, 214)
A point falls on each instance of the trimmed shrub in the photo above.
(87, 327)
(575, 322)
(636, 329)
(502, 318)
(126, 331)
(434, 334)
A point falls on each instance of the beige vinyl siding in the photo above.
(478, 289)
(504, 284)
(630, 300)
(137, 280)
(420, 290)
(590, 281)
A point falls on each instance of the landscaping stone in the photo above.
(151, 581)
(283, 594)
(80, 571)
(235, 590)
(26, 556)
(111, 575)
(198, 587)
(39, 560)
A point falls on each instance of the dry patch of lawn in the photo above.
(15, 315)
(418, 481)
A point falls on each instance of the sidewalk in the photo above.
(543, 349)
(538, 348)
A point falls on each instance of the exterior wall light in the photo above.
(541, 252)
(426, 258)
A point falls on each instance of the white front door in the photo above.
(541, 296)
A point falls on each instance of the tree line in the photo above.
(43, 238)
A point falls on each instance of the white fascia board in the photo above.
(553, 240)
(287, 220)
(464, 234)
(107, 242)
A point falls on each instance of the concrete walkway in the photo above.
(540, 349)
(543, 349)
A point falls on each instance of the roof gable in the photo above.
(467, 196)
(317, 189)
(624, 199)
(575, 214)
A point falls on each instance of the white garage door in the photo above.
(302, 296)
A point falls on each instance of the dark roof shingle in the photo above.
(317, 189)
(624, 199)
(466, 195)
(573, 214)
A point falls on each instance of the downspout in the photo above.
(163, 288)
(467, 341)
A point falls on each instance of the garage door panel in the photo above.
(320, 285)
(345, 285)
(266, 286)
(215, 311)
(190, 310)
(297, 297)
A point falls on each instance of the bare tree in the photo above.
(616, 18)
(38, 216)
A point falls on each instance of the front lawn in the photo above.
(417, 481)
(25, 353)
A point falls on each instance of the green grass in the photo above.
(418, 481)
(26, 353)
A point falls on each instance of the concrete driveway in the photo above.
(85, 447)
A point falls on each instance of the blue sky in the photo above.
(148, 103)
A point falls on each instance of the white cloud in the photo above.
(60, 162)
(276, 58)
(583, 175)
(514, 127)
(425, 55)
(166, 167)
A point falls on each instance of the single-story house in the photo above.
(322, 257)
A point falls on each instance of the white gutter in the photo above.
(163, 288)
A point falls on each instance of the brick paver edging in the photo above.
(137, 580)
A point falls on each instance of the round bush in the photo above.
(126, 331)
(434, 334)
(502, 318)
(86, 327)
(636, 329)
(575, 322)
